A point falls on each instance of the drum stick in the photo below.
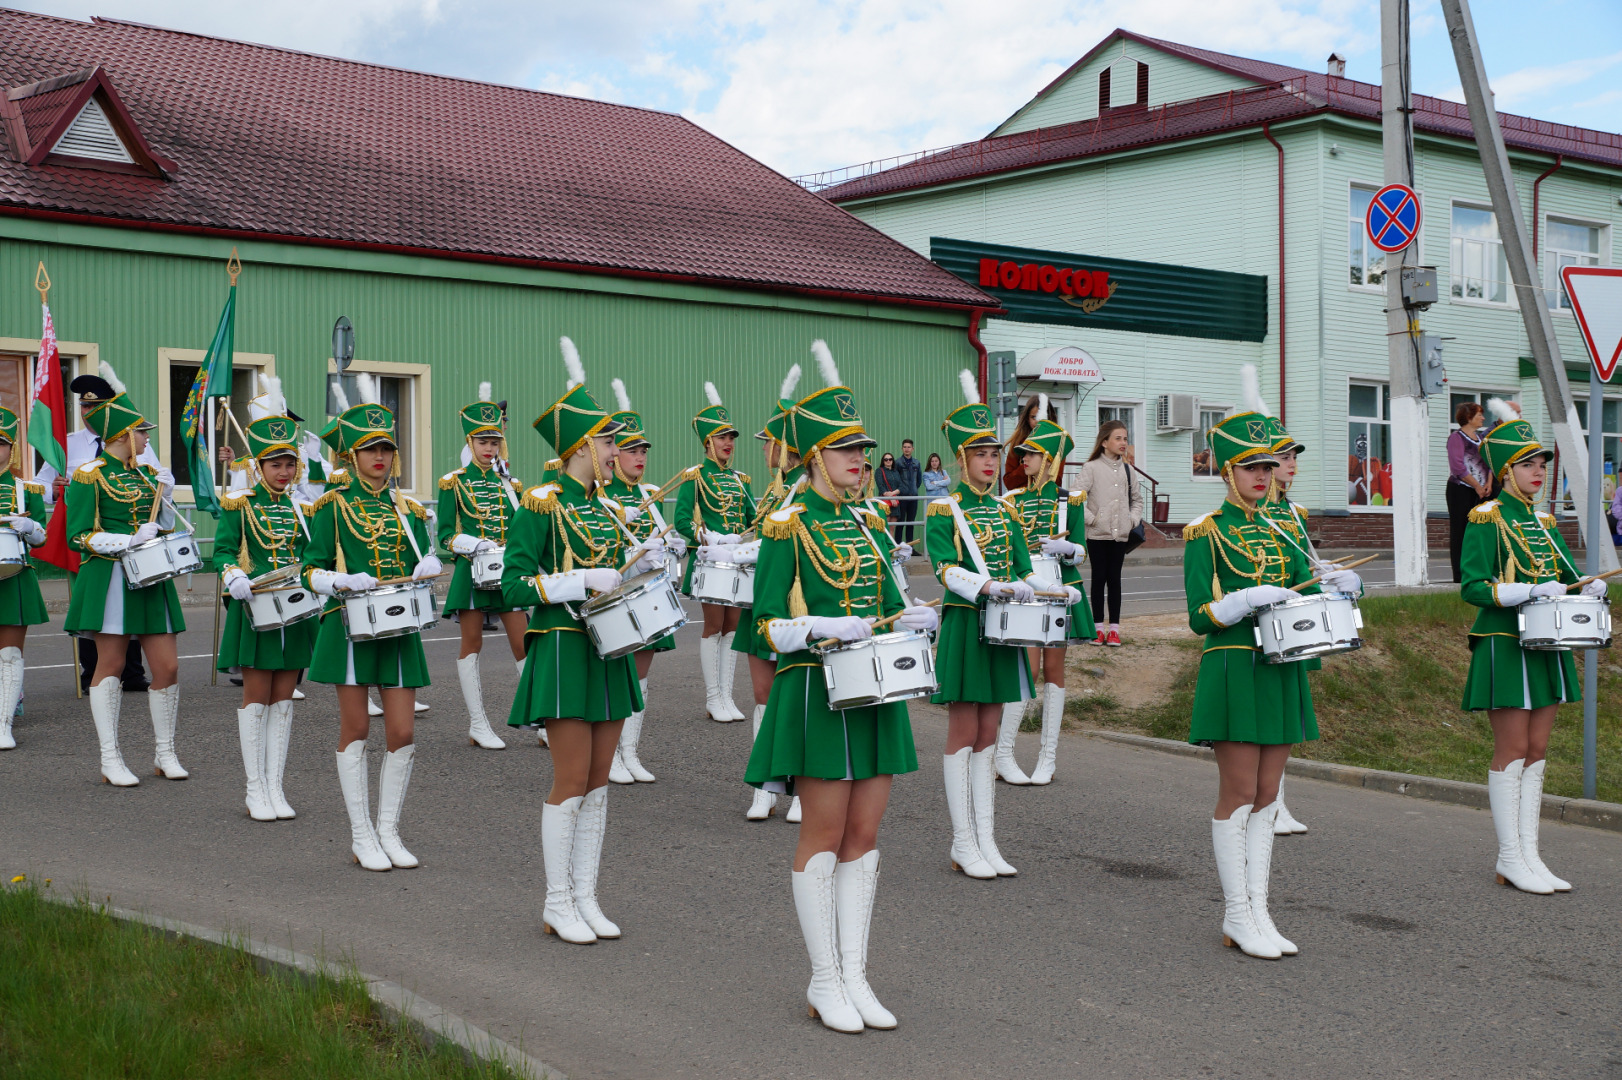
(1594, 577)
(670, 485)
(641, 547)
(408, 579)
(1342, 566)
(884, 623)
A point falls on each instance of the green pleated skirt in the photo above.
(749, 639)
(394, 661)
(668, 644)
(801, 736)
(462, 596)
(103, 604)
(564, 678)
(1239, 697)
(969, 669)
(1505, 676)
(287, 649)
(21, 603)
(1082, 627)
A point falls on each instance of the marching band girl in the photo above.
(476, 505)
(822, 574)
(22, 508)
(1054, 522)
(1236, 560)
(626, 487)
(565, 544)
(978, 550)
(1514, 553)
(262, 529)
(1279, 506)
(714, 507)
(365, 533)
(113, 504)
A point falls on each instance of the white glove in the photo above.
(485, 545)
(430, 566)
(1072, 595)
(964, 582)
(148, 531)
(677, 544)
(240, 587)
(104, 543)
(716, 553)
(745, 554)
(464, 544)
(843, 627)
(1595, 588)
(356, 582)
(902, 552)
(1018, 591)
(1236, 606)
(1056, 547)
(32, 532)
(732, 539)
(651, 556)
(602, 579)
(1548, 588)
(1511, 593)
(919, 617)
(1343, 581)
(712, 538)
(632, 513)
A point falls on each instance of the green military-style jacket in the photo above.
(21, 603)
(559, 528)
(714, 498)
(1038, 515)
(473, 500)
(355, 530)
(105, 495)
(1232, 548)
(258, 532)
(996, 529)
(1506, 541)
(629, 495)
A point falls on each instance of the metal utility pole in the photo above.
(1410, 413)
(1518, 253)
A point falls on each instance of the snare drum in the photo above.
(1045, 569)
(1565, 622)
(878, 670)
(276, 608)
(390, 611)
(633, 616)
(726, 584)
(13, 553)
(1039, 623)
(157, 560)
(487, 568)
(1308, 626)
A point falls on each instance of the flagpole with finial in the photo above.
(42, 282)
(233, 267)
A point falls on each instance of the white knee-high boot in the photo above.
(1259, 833)
(1531, 815)
(1286, 824)
(478, 723)
(1052, 722)
(353, 779)
(983, 787)
(764, 802)
(855, 884)
(1238, 924)
(814, 903)
(1013, 713)
(793, 816)
(1504, 797)
(106, 701)
(278, 734)
(965, 852)
(251, 734)
(560, 916)
(631, 739)
(392, 782)
(590, 827)
(709, 659)
(11, 689)
(165, 707)
(729, 673)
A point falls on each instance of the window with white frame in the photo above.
(1457, 397)
(1567, 243)
(1611, 425)
(1479, 269)
(1367, 262)
(407, 390)
(1368, 449)
(1204, 468)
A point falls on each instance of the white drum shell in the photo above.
(1046, 569)
(633, 616)
(390, 611)
(487, 568)
(1557, 623)
(276, 608)
(726, 584)
(879, 670)
(1322, 624)
(1038, 623)
(13, 553)
(160, 559)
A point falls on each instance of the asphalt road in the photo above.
(1101, 959)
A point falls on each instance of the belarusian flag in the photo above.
(213, 381)
(48, 433)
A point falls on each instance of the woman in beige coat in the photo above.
(1114, 509)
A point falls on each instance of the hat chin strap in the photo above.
(1508, 476)
(963, 471)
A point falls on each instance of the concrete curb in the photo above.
(1589, 812)
(427, 1021)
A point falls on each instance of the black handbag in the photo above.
(1136, 537)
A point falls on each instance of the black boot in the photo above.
(87, 661)
(134, 670)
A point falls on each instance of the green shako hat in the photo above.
(1241, 439)
(712, 419)
(271, 431)
(9, 424)
(1283, 441)
(1510, 441)
(364, 424)
(779, 428)
(575, 417)
(483, 417)
(969, 425)
(632, 435)
(117, 415)
(827, 419)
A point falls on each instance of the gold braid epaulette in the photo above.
(540, 505)
(448, 481)
(1205, 526)
(229, 503)
(326, 498)
(1078, 498)
(773, 529)
(83, 475)
(33, 488)
(1479, 516)
(937, 509)
(418, 511)
(743, 476)
(875, 520)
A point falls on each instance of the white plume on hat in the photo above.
(571, 360)
(112, 378)
(484, 391)
(1250, 392)
(971, 388)
(790, 381)
(825, 363)
(274, 401)
(340, 398)
(620, 395)
(712, 393)
(366, 386)
(1502, 411)
(1041, 412)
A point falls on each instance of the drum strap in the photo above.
(298, 513)
(507, 482)
(1553, 546)
(967, 536)
(405, 526)
(17, 486)
(1063, 530)
(653, 507)
(878, 553)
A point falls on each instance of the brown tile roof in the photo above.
(294, 146)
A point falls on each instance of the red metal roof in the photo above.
(1299, 94)
(294, 146)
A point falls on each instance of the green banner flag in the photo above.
(213, 381)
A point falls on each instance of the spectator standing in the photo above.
(1013, 476)
(1114, 509)
(937, 485)
(911, 476)
(1467, 481)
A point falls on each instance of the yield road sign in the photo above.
(1596, 300)
(1393, 217)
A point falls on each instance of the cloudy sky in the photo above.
(815, 84)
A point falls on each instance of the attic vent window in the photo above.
(91, 135)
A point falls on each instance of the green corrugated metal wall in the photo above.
(901, 362)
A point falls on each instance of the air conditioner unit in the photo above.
(1176, 412)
